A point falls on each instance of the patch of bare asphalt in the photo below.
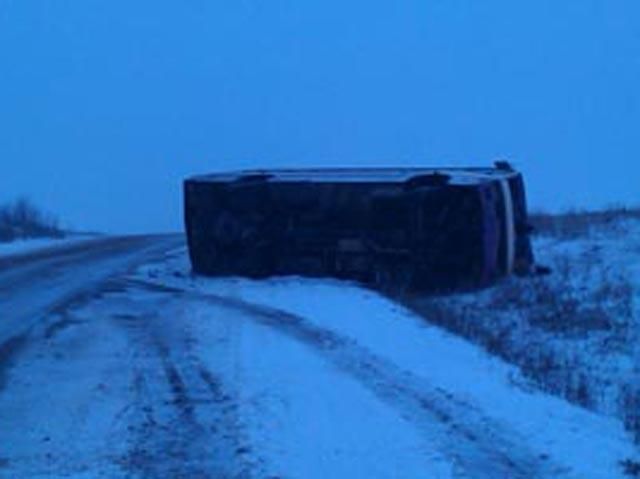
(475, 443)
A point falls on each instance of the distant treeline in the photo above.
(22, 219)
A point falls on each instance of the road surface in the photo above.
(110, 368)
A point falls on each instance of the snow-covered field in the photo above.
(575, 333)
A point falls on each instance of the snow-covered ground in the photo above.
(152, 372)
(331, 364)
(576, 333)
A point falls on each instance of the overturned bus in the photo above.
(420, 229)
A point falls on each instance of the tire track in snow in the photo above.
(9, 350)
(478, 446)
(184, 421)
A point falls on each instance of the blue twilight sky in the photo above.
(105, 105)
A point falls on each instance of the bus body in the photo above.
(427, 229)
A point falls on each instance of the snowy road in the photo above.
(111, 371)
(37, 282)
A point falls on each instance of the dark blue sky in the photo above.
(105, 105)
